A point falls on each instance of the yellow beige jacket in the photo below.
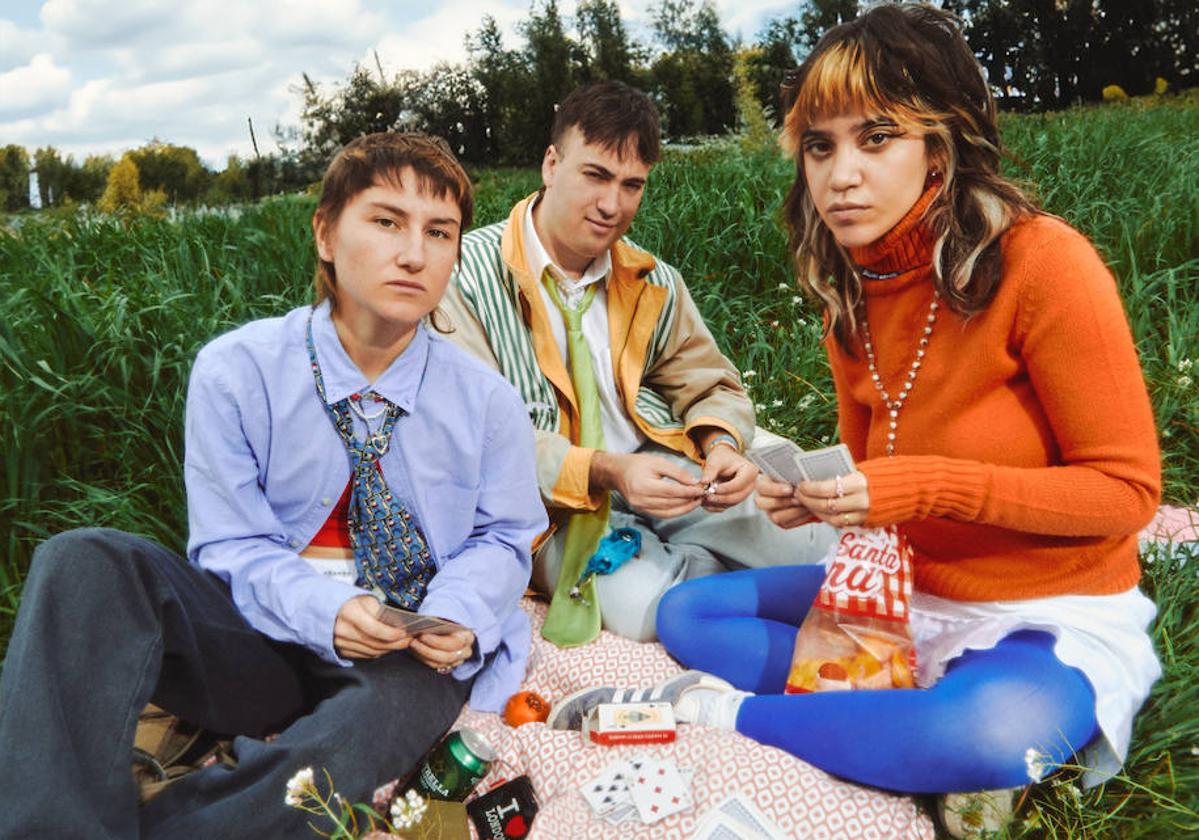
(670, 374)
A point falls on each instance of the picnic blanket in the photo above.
(802, 801)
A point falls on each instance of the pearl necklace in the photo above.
(893, 405)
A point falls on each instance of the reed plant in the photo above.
(103, 316)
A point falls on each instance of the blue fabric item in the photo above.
(264, 466)
(973, 730)
(618, 546)
(391, 555)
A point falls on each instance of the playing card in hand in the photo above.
(778, 461)
(415, 623)
(822, 464)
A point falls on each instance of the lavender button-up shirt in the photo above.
(264, 467)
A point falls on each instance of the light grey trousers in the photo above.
(694, 545)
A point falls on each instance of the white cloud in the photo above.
(315, 23)
(17, 45)
(100, 23)
(39, 85)
(441, 35)
(186, 61)
(107, 75)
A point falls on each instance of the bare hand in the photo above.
(778, 500)
(444, 651)
(839, 502)
(649, 484)
(730, 475)
(358, 634)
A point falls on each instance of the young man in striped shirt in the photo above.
(666, 450)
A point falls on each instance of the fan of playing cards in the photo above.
(415, 623)
(788, 463)
(642, 787)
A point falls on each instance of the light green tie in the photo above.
(576, 621)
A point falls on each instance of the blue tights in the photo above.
(970, 731)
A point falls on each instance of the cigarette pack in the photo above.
(629, 723)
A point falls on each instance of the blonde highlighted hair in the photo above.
(909, 63)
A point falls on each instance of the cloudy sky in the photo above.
(107, 75)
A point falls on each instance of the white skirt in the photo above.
(1104, 636)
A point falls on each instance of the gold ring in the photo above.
(845, 519)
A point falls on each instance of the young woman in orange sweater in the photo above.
(990, 393)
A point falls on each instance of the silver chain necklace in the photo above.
(894, 405)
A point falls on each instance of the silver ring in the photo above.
(840, 487)
(832, 505)
(444, 669)
(462, 654)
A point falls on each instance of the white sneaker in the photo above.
(976, 814)
(568, 713)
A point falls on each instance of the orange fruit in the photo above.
(526, 707)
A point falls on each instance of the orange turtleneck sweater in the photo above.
(1025, 455)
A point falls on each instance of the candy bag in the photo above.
(856, 635)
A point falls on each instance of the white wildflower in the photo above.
(748, 374)
(783, 287)
(796, 299)
(774, 324)
(1036, 763)
(297, 786)
(777, 404)
(1184, 381)
(1184, 365)
(1194, 750)
(760, 406)
(806, 400)
(408, 810)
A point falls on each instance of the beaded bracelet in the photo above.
(726, 439)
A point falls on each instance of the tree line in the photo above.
(495, 108)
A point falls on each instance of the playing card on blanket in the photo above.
(609, 789)
(736, 817)
(658, 790)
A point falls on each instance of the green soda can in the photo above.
(453, 768)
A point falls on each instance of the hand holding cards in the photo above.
(414, 624)
(789, 464)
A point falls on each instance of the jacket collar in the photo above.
(629, 264)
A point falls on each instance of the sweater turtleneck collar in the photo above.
(907, 246)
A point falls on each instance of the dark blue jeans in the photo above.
(109, 622)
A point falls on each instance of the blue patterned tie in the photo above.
(391, 554)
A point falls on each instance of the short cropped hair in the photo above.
(379, 159)
(613, 115)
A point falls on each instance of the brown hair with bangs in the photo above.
(381, 158)
(910, 63)
(613, 115)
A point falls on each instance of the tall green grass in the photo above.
(102, 318)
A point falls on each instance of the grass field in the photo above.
(102, 318)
